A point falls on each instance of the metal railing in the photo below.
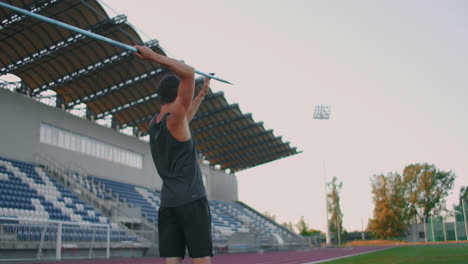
(46, 235)
(70, 177)
(65, 175)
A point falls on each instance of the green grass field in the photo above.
(426, 254)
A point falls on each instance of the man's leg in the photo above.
(177, 260)
(197, 231)
(205, 260)
(171, 236)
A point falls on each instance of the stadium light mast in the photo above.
(322, 112)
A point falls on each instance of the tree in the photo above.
(333, 207)
(288, 225)
(427, 188)
(399, 196)
(270, 215)
(401, 200)
(302, 227)
(389, 209)
(313, 232)
(463, 195)
(304, 230)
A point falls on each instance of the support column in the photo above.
(115, 124)
(432, 228)
(90, 115)
(59, 102)
(58, 248)
(455, 223)
(425, 229)
(108, 242)
(445, 231)
(464, 219)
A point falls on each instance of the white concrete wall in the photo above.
(20, 119)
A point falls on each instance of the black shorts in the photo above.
(184, 226)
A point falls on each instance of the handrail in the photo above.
(65, 175)
(53, 221)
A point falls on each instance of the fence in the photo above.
(439, 230)
(24, 239)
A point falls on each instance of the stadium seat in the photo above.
(28, 193)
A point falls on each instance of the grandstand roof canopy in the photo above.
(111, 81)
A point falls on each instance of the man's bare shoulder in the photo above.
(178, 128)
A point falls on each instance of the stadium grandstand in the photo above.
(77, 178)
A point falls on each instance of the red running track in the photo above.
(281, 257)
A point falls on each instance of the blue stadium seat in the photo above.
(27, 192)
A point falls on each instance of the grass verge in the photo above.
(418, 254)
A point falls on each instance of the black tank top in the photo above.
(177, 165)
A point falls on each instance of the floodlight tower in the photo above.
(322, 112)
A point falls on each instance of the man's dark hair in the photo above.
(168, 87)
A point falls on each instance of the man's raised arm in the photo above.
(185, 72)
(197, 101)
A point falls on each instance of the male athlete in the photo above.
(184, 218)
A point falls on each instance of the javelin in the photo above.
(90, 34)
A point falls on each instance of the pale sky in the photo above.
(394, 73)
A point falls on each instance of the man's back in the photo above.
(177, 164)
(184, 218)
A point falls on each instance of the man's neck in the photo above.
(166, 108)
